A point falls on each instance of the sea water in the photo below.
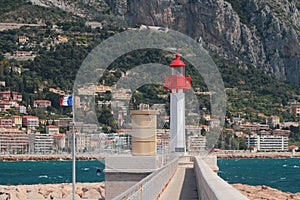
(282, 174)
(35, 172)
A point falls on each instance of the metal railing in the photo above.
(151, 186)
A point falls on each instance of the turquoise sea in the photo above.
(34, 172)
(282, 174)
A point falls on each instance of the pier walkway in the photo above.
(183, 178)
(183, 184)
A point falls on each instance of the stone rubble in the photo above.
(96, 191)
(88, 191)
(265, 193)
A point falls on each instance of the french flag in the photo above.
(66, 101)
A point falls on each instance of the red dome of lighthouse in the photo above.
(177, 62)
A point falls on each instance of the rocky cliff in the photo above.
(83, 8)
(259, 32)
(263, 33)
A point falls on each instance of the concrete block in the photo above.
(131, 163)
(122, 172)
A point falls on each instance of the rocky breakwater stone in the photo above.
(265, 193)
(4, 196)
(91, 191)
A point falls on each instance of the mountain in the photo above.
(81, 8)
(250, 41)
(22, 11)
(263, 33)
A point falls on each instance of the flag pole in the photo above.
(67, 101)
(73, 151)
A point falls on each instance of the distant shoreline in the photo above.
(248, 155)
(220, 155)
(29, 157)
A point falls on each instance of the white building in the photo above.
(52, 129)
(196, 143)
(267, 143)
(13, 141)
(193, 130)
(82, 141)
(86, 128)
(40, 143)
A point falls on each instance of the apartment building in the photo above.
(31, 122)
(82, 142)
(267, 142)
(196, 143)
(40, 143)
(13, 141)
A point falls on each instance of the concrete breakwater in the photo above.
(91, 191)
(49, 157)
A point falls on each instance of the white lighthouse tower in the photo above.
(177, 83)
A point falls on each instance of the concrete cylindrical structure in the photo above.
(143, 132)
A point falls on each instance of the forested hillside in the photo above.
(251, 91)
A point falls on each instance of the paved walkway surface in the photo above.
(183, 185)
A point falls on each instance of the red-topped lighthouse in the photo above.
(177, 83)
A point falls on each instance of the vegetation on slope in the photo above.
(250, 92)
(22, 11)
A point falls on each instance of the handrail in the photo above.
(151, 186)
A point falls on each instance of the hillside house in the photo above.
(31, 122)
(6, 123)
(41, 103)
(22, 39)
(52, 129)
(4, 106)
(8, 96)
(16, 121)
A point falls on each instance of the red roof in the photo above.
(7, 92)
(4, 92)
(42, 101)
(4, 103)
(51, 126)
(293, 147)
(57, 135)
(177, 62)
(28, 116)
(123, 130)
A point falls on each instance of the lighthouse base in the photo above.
(177, 121)
(179, 149)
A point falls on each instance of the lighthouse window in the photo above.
(177, 70)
